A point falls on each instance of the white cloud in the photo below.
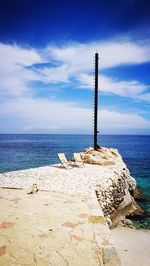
(116, 120)
(14, 74)
(111, 53)
(54, 75)
(72, 61)
(76, 60)
(132, 89)
(53, 116)
(16, 55)
(42, 113)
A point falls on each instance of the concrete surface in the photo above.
(62, 224)
(46, 228)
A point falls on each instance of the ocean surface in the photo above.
(21, 151)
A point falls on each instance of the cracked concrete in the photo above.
(62, 224)
(47, 228)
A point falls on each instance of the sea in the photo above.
(23, 151)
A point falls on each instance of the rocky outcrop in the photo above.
(114, 193)
(102, 156)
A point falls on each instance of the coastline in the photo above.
(110, 181)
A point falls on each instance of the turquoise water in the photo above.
(19, 151)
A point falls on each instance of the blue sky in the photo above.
(46, 68)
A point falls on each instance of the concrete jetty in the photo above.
(63, 223)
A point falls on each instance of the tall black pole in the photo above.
(96, 102)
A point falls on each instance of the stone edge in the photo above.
(102, 233)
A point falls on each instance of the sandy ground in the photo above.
(133, 246)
